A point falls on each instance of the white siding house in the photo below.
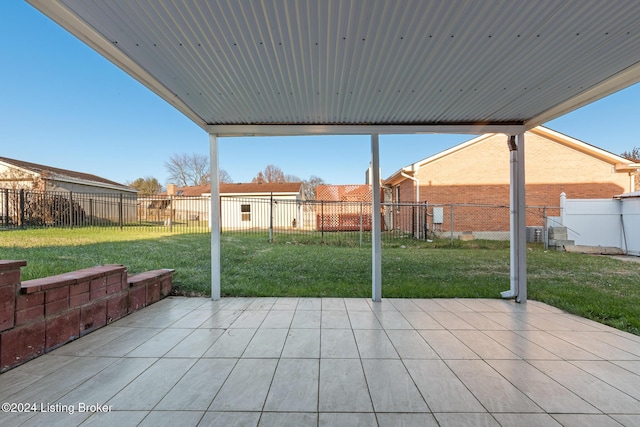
(242, 206)
(261, 205)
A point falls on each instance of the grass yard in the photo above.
(599, 288)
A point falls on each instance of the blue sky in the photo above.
(63, 105)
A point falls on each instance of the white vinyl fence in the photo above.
(602, 222)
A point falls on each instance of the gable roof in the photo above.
(65, 175)
(620, 163)
(264, 188)
(193, 190)
(261, 188)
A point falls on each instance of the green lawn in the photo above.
(599, 288)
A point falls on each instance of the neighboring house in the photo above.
(91, 197)
(19, 174)
(177, 204)
(250, 205)
(242, 205)
(477, 172)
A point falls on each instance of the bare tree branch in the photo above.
(188, 169)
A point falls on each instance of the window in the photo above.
(246, 212)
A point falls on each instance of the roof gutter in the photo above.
(417, 185)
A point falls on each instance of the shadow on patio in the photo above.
(334, 362)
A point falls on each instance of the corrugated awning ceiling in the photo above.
(372, 63)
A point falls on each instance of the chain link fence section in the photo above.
(350, 223)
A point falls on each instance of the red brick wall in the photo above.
(9, 282)
(37, 316)
(479, 174)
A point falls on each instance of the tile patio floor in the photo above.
(337, 362)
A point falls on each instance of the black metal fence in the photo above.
(31, 209)
(275, 219)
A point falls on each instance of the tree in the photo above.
(309, 186)
(274, 174)
(633, 155)
(271, 173)
(15, 179)
(259, 179)
(224, 177)
(188, 169)
(147, 185)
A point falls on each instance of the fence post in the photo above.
(360, 224)
(6, 207)
(120, 212)
(21, 203)
(545, 225)
(171, 210)
(72, 211)
(322, 219)
(91, 212)
(423, 218)
(451, 224)
(271, 218)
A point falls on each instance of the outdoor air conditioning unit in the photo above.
(534, 235)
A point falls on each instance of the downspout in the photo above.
(417, 230)
(518, 248)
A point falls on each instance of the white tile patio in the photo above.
(335, 362)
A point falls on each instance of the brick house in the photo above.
(477, 172)
(248, 205)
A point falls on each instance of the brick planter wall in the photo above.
(37, 316)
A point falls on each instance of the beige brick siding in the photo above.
(479, 174)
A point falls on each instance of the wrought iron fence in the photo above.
(29, 209)
(274, 219)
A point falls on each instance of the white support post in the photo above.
(215, 219)
(518, 244)
(376, 224)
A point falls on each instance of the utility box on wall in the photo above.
(438, 215)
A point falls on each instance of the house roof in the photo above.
(194, 190)
(632, 195)
(57, 174)
(620, 163)
(243, 188)
(365, 66)
(261, 188)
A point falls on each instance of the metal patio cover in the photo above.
(243, 67)
(284, 67)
